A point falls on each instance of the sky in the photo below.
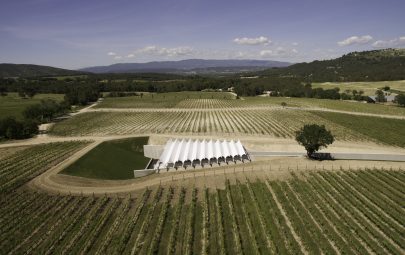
(80, 33)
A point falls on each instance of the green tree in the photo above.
(3, 91)
(10, 128)
(400, 100)
(314, 137)
(380, 97)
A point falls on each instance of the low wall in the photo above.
(144, 172)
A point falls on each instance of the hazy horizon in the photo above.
(76, 34)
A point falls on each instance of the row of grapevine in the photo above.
(273, 122)
(316, 212)
(31, 162)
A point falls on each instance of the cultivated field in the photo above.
(310, 212)
(22, 165)
(388, 131)
(369, 88)
(224, 100)
(161, 100)
(336, 105)
(281, 205)
(13, 105)
(272, 122)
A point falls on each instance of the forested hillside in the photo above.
(25, 70)
(376, 65)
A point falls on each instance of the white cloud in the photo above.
(262, 40)
(117, 57)
(168, 52)
(397, 42)
(130, 55)
(266, 53)
(111, 53)
(294, 44)
(278, 52)
(355, 40)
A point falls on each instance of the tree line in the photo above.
(84, 89)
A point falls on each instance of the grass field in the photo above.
(13, 105)
(316, 212)
(369, 88)
(111, 160)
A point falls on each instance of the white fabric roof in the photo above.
(184, 150)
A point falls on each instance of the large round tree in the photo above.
(314, 137)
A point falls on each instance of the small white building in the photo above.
(188, 152)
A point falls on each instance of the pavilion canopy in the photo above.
(183, 150)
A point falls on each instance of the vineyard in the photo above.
(275, 122)
(317, 212)
(217, 100)
(26, 164)
(162, 100)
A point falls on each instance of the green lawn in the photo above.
(13, 105)
(111, 160)
(388, 131)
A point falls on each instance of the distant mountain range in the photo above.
(189, 66)
(375, 65)
(26, 70)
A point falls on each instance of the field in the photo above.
(111, 160)
(337, 105)
(216, 100)
(78, 196)
(161, 100)
(13, 105)
(272, 122)
(369, 88)
(314, 212)
(19, 167)
(388, 131)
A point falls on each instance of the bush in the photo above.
(46, 110)
(10, 128)
(400, 100)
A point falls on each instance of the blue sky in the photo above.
(75, 34)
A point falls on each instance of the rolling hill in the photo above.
(376, 65)
(188, 66)
(27, 70)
